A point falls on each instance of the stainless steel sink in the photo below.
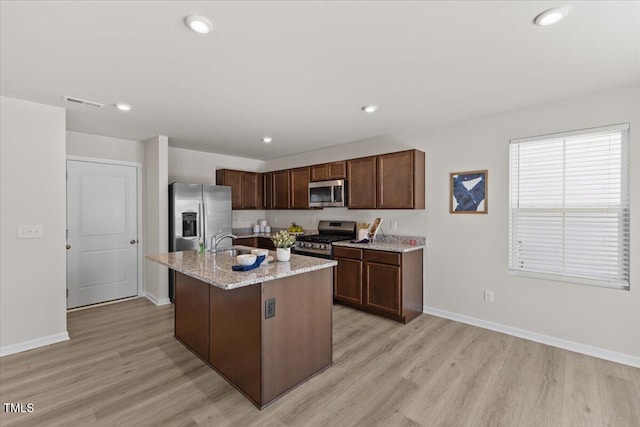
(231, 253)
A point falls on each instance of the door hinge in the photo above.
(67, 292)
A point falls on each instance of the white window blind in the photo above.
(569, 206)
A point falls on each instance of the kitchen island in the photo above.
(265, 330)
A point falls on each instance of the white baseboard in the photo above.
(31, 344)
(613, 356)
(156, 301)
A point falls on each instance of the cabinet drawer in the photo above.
(352, 253)
(245, 241)
(391, 258)
(265, 243)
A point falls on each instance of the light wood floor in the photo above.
(123, 367)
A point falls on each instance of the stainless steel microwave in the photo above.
(325, 194)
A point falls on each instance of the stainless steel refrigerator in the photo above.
(197, 212)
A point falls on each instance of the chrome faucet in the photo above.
(215, 240)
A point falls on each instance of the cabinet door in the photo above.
(320, 172)
(300, 188)
(232, 179)
(265, 243)
(251, 189)
(281, 193)
(382, 287)
(395, 180)
(192, 314)
(337, 170)
(246, 241)
(348, 281)
(361, 174)
(267, 190)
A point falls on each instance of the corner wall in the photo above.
(196, 167)
(469, 253)
(156, 281)
(33, 305)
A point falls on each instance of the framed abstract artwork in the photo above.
(469, 192)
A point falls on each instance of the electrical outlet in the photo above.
(488, 296)
(30, 231)
(394, 224)
(269, 308)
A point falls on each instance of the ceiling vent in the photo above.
(79, 101)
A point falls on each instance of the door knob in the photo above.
(133, 242)
(68, 246)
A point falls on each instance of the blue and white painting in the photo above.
(469, 192)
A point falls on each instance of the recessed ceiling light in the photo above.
(123, 107)
(369, 108)
(267, 139)
(199, 24)
(551, 16)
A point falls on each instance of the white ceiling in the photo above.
(301, 71)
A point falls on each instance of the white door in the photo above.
(102, 239)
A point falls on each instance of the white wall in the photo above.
(104, 147)
(32, 191)
(469, 253)
(156, 281)
(196, 167)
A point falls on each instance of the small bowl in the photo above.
(258, 252)
(246, 259)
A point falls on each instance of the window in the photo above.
(569, 206)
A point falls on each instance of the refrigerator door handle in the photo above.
(203, 222)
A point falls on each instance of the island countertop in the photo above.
(216, 269)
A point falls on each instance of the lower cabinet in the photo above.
(384, 283)
(255, 242)
(348, 276)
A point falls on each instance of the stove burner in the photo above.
(320, 244)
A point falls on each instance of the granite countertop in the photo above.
(215, 269)
(248, 232)
(388, 244)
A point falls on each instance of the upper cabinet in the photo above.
(387, 181)
(246, 188)
(300, 188)
(329, 171)
(281, 190)
(251, 190)
(400, 179)
(361, 176)
(267, 190)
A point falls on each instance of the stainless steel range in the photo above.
(319, 245)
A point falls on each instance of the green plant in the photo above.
(282, 239)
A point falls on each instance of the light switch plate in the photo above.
(30, 231)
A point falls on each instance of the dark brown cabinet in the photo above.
(384, 283)
(329, 171)
(281, 190)
(246, 188)
(348, 275)
(388, 181)
(361, 176)
(251, 190)
(400, 180)
(267, 190)
(300, 188)
(255, 242)
(192, 311)
(246, 241)
(232, 179)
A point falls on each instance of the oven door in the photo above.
(316, 253)
(327, 194)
